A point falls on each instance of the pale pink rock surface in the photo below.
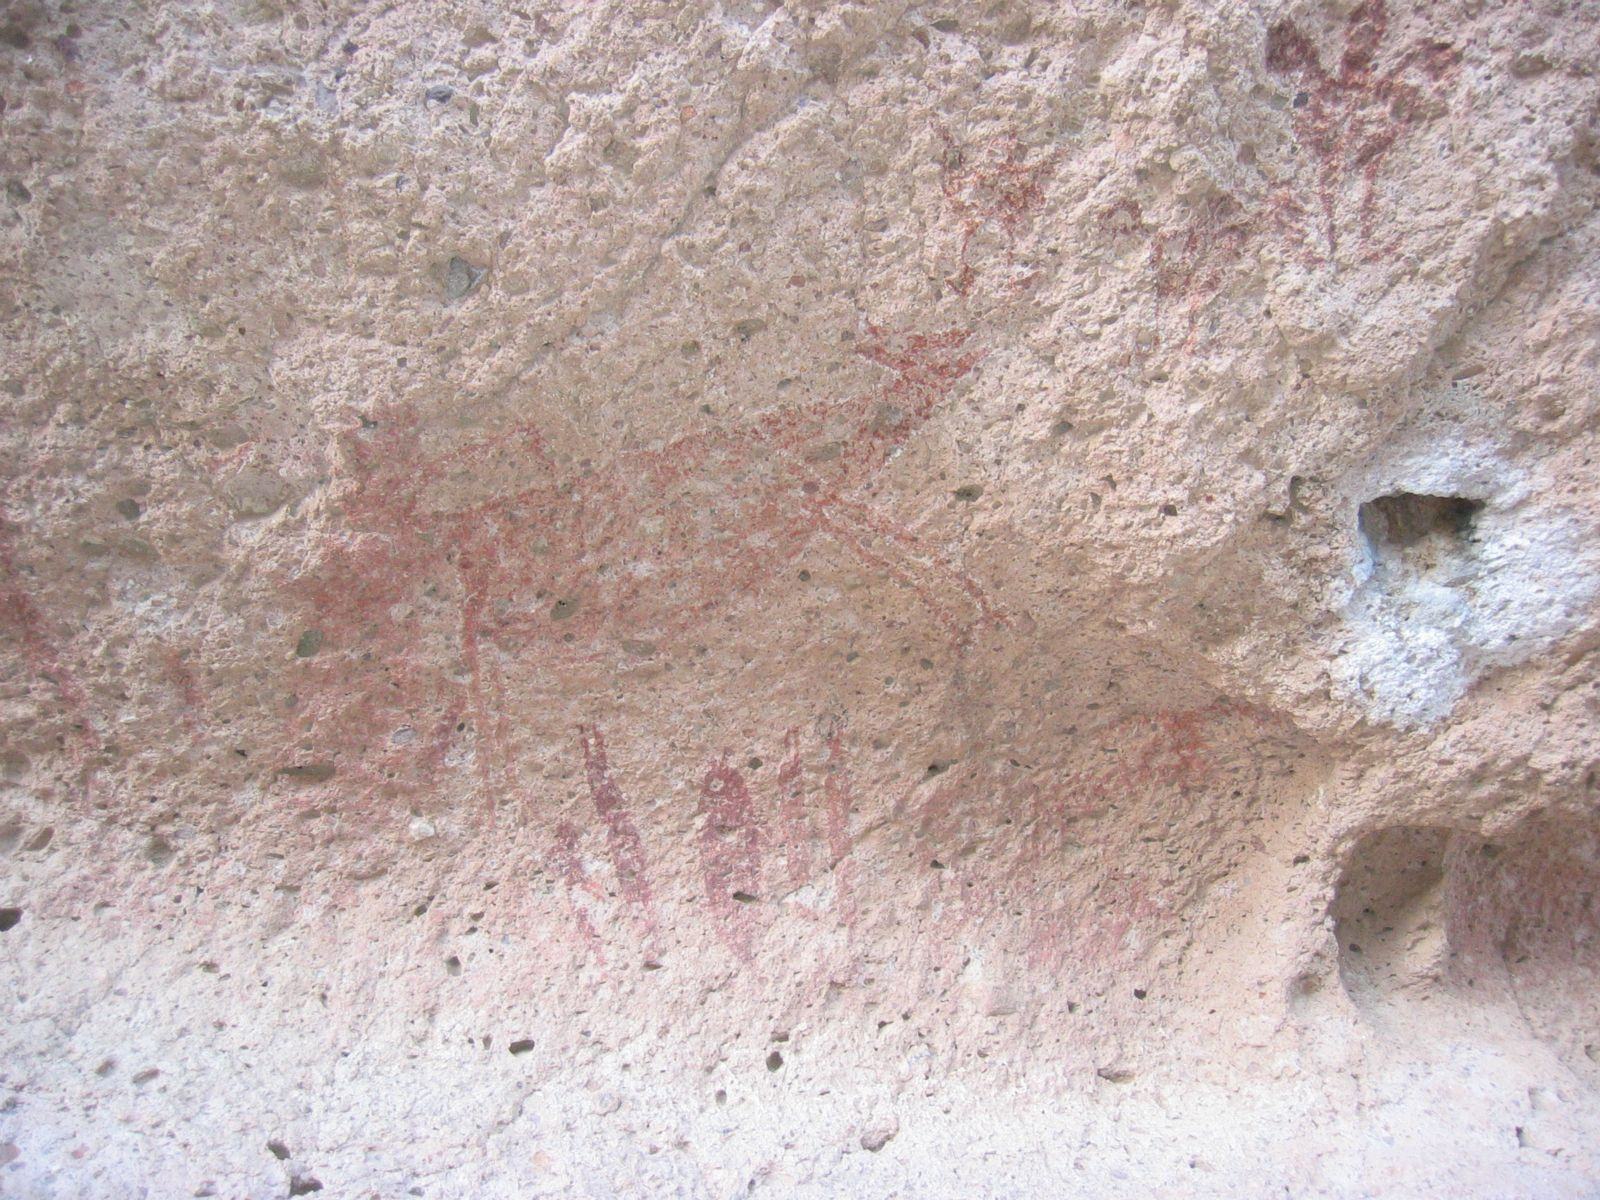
(799, 600)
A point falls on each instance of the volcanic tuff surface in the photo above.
(799, 600)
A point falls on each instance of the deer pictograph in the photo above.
(563, 568)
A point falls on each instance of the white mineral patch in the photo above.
(1426, 623)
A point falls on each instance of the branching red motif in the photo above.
(1189, 262)
(991, 186)
(1351, 117)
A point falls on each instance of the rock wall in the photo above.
(808, 599)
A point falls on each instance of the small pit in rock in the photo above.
(1417, 527)
(1388, 911)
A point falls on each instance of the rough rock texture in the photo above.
(886, 599)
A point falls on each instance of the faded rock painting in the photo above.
(1351, 109)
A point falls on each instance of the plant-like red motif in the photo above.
(1188, 262)
(994, 185)
(1350, 118)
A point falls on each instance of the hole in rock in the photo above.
(521, 1046)
(316, 772)
(1508, 931)
(1409, 524)
(9, 918)
(1388, 913)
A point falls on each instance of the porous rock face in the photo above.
(721, 599)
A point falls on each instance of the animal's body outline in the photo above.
(803, 467)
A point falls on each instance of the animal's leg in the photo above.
(485, 689)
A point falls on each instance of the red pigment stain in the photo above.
(1351, 117)
(187, 686)
(566, 860)
(799, 831)
(21, 616)
(622, 835)
(990, 186)
(730, 852)
(838, 793)
(1189, 261)
(645, 545)
(1171, 747)
(1064, 872)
